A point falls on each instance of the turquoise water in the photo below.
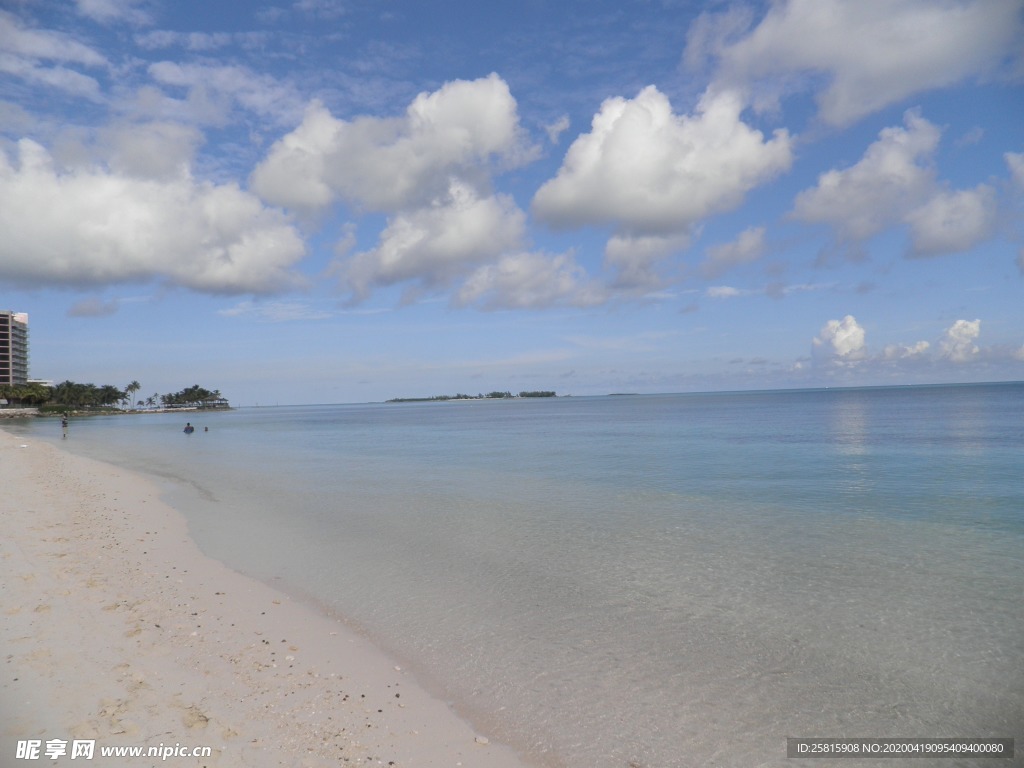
(664, 580)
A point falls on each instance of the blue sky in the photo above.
(347, 201)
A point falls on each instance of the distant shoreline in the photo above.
(17, 413)
(458, 397)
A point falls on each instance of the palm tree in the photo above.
(108, 394)
(36, 393)
(68, 393)
(131, 389)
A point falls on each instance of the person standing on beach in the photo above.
(64, 425)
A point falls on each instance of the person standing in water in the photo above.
(64, 425)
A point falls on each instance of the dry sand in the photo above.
(116, 628)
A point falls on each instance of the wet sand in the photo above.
(116, 628)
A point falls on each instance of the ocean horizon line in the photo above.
(412, 400)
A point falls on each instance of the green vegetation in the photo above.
(194, 395)
(489, 396)
(74, 395)
(130, 390)
(30, 394)
(70, 395)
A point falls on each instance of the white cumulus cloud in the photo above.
(389, 164)
(958, 344)
(860, 55)
(840, 342)
(150, 150)
(894, 184)
(434, 245)
(530, 281)
(635, 260)
(96, 227)
(430, 170)
(905, 351)
(648, 171)
(841, 346)
(893, 177)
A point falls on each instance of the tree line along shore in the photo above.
(70, 396)
(488, 396)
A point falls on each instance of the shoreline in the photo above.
(34, 412)
(118, 629)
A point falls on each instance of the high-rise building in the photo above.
(13, 348)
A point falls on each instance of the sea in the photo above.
(639, 581)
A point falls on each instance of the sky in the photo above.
(331, 201)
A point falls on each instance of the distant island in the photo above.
(488, 396)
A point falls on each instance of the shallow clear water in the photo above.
(657, 580)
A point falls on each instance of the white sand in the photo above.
(116, 628)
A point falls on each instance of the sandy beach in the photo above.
(118, 630)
